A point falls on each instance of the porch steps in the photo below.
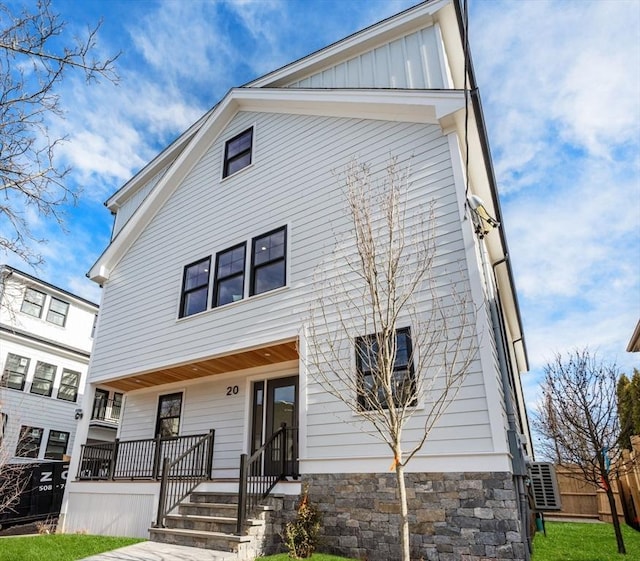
(208, 520)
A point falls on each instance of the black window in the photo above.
(237, 152)
(42, 383)
(56, 445)
(29, 442)
(33, 302)
(268, 261)
(229, 277)
(168, 420)
(69, 383)
(58, 311)
(371, 395)
(15, 371)
(3, 425)
(195, 288)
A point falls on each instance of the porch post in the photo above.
(242, 493)
(114, 459)
(209, 462)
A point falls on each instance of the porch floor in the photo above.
(155, 551)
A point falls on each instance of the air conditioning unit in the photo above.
(544, 483)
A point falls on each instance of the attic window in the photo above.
(237, 152)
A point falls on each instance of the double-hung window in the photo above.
(33, 302)
(375, 381)
(168, 419)
(42, 383)
(56, 445)
(29, 442)
(229, 277)
(69, 383)
(15, 371)
(237, 152)
(268, 261)
(195, 287)
(57, 313)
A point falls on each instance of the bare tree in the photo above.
(35, 57)
(578, 420)
(383, 298)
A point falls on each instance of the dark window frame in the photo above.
(64, 386)
(187, 292)
(159, 418)
(218, 279)
(29, 447)
(231, 157)
(47, 392)
(364, 346)
(57, 455)
(6, 372)
(257, 267)
(25, 300)
(51, 313)
(4, 419)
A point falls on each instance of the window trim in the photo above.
(41, 306)
(184, 292)
(47, 456)
(218, 279)
(167, 396)
(55, 313)
(39, 379)
(5, 372)
(283, 258)
(227, 160)
(63, 385)
(361, 373)
(20, 452)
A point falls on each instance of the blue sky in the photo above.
(560, 85)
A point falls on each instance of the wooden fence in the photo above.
(584, 500)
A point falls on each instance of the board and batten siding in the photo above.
(294, 180)
(413, 61)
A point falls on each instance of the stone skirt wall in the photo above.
(453, 516)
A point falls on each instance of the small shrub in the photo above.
(301, 535)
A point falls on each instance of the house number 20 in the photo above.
(232, 390)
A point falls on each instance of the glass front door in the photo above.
(271, 408)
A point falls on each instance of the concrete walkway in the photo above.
(153, 551)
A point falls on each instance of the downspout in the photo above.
(518, 462)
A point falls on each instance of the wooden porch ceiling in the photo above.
(273, 354)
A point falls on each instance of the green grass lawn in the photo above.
(576, 541)
(58, 547)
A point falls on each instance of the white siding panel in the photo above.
(409, 62)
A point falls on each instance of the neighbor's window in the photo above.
(168, 420)
(29, 442)
(195, 287)
(69, 385)
(56, 445)
(3, 425)
(42, 383)
(58, 311)
(371, 393)
(15, 371)
(229, 277)
(33, 302)
(237, 152)
(268, 261)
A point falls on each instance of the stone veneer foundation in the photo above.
(453, 516)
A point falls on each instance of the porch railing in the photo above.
(131, 459)
(259, 474)
(182, 475)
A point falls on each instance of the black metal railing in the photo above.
(106, 409)
(184, 474)
(276, 459)
(131, 459)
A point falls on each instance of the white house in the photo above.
(204, 323)
(46, 335)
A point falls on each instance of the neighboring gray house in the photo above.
(203, 324)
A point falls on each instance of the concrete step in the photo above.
(206, 523)
(214, 497)
(197, 538)
(208, 509)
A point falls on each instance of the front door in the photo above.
(271, 408)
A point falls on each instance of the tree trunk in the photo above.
(614, 515)
(404, 513)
